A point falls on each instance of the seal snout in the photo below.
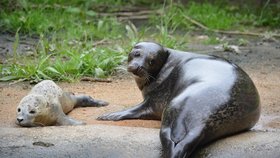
(137, 70)
(133, 69)
(19, 119)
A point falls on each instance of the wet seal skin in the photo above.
(198, 98)
(47, 104)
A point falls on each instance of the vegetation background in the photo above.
(77, 38)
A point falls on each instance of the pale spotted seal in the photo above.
(199, 98)
(47, 104)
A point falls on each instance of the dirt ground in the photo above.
(120, 94)
(261, 60)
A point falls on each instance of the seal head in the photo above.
(145, 62)
(34, 110)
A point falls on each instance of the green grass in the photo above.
(65, 62)
(65, 50)
(68, 30)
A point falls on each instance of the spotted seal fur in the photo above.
(47, 104)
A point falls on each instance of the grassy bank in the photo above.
(74, 39)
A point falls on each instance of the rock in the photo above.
(124, 142)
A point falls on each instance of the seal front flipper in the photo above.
(66, 120)
(62, 118)
(140, 111)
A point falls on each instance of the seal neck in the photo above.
(169, 64)
(174, 58)
(153, 73)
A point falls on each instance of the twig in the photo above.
(140, 17)
(128, 14)
(45, 6)
(101, 42)
(90, 79)
(226, 32)
(131, 13)
(27, 43)
(17, 81)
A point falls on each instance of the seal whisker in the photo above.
(151, 76)
(147, 77)
(139, 70)
(147, 80)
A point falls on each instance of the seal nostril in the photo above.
(19, 120)
(133, 69)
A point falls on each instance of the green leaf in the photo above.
(100, 24)
(8, 78)
(52, 69)
(42, 74)
(90, 13)
(73, 10)
(43, 61)
(23, 3)
(132, 32)
(99, 72)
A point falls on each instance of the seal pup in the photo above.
(46, 104)
(199, 98)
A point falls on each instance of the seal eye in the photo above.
(18, 110)
(32, 112)
(136, 53)
(152, 61)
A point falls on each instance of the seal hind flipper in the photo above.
(88, 101)
(179, 141)
(79, 101)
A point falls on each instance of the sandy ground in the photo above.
(120, 94)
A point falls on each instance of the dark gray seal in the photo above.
(199, 98)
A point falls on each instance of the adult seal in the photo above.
(47, 104)
(199, 98)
